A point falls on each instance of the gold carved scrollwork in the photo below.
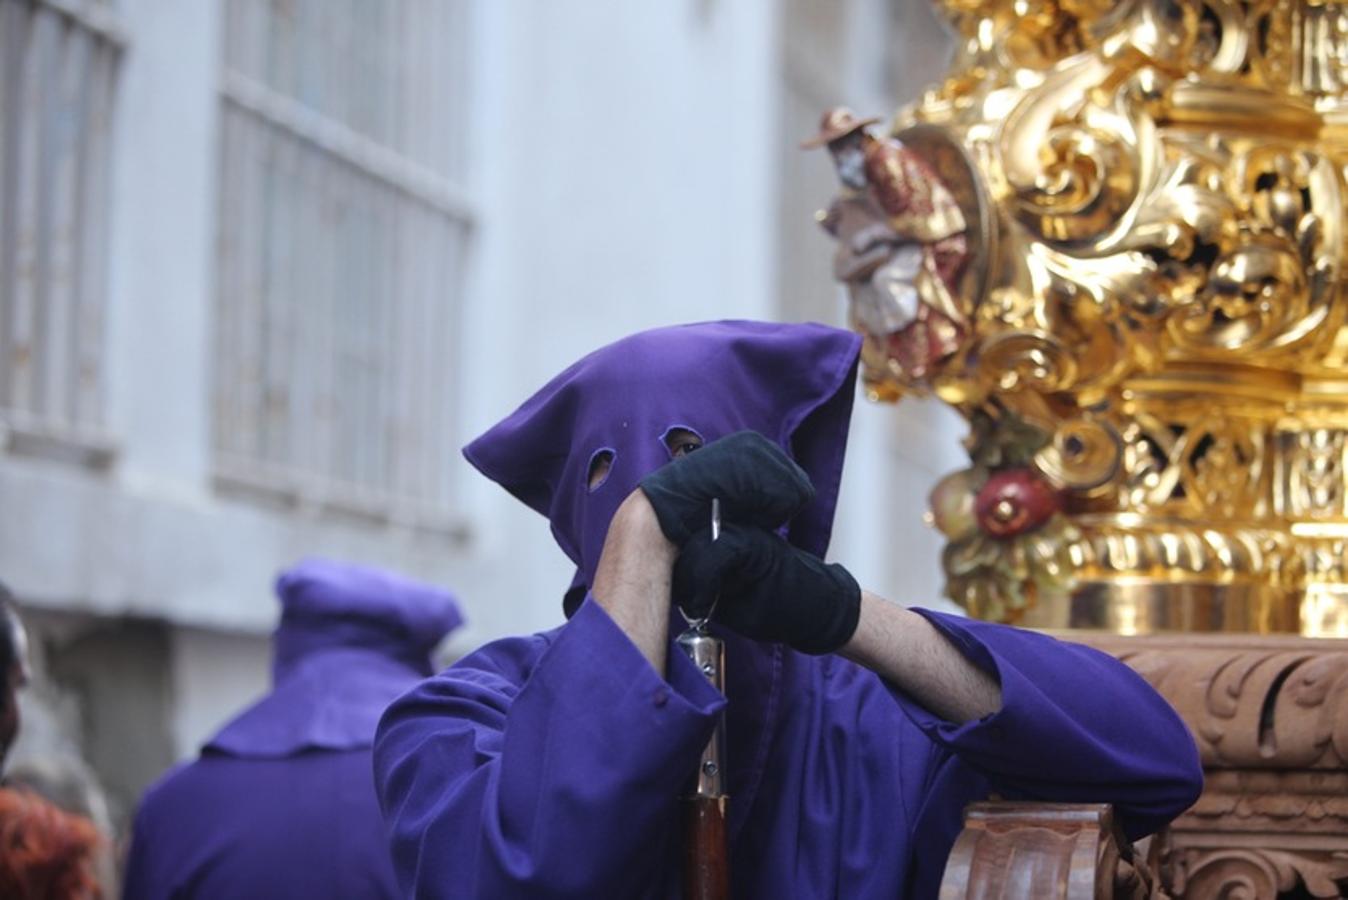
(1159, 188)
(1070, 181)
(1083, 455)
(1276, 260)
(1211, 467)
(1314, 473)
(1323, 40)
(1025, 359)
(1185, 554)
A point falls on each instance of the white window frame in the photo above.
(291, 125)
(53, 323)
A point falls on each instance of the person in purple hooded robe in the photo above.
(281, 802)
(551, 765)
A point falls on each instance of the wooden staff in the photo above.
(706, 870)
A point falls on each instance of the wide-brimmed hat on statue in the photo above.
(836, 123)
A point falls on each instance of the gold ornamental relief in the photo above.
(1138, 305)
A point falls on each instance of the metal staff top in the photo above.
(708, 653)
(700, 624)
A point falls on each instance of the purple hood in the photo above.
(791, 383)
(351, 639)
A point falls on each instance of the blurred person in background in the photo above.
(46, 853)
(14, 668)
(281, 802)
(67, 782)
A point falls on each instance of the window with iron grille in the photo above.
(58, 72)
(344, 228)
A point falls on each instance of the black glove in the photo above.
(769, 590)
(757, 483)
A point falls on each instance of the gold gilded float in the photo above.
(1134, 293)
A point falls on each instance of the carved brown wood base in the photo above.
(1270, 716)
(1053, 851)
(1254, 874)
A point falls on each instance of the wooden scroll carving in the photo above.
(1270, 716)
(1053, 851)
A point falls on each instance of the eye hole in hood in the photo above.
(601, 463)
(680, 440)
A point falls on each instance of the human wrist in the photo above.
(634, 568)
(637, 518)
(631, 581)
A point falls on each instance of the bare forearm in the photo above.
(631, 582)
(908, 651)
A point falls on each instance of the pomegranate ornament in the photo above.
(1015, 501)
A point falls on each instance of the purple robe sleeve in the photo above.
(1076, 725)
(537, 771)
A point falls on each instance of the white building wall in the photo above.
(214, 673)
(163, 226)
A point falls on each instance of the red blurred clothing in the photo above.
(45, 852)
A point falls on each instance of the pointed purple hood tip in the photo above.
(793, 383)
(351, 639)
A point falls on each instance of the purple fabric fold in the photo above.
(330, 700)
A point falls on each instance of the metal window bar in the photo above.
(58, 69)
(343, 229)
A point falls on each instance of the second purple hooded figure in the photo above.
(281, 803)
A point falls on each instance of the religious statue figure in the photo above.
(901, 244)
